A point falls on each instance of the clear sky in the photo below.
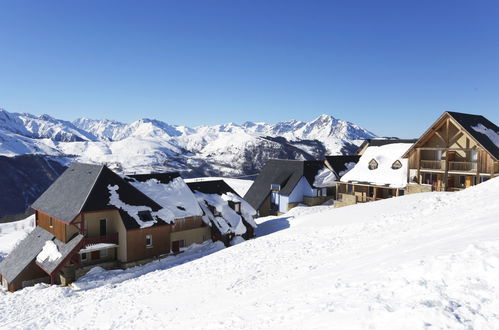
(390, 66)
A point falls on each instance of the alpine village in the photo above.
(91, 216)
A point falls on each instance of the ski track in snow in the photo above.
(414, 262)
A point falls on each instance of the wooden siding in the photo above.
(136, 239)
(58, 228)
(187, 223)
(446, 149)
(30, 273)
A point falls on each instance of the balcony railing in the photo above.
(111, 238)
(432, 164)
(462, 166)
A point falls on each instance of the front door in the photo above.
(469, 181)
(176, 246)
(103, 227)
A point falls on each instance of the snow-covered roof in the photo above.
(174, 196)
(325, 178)
(489, 132)
(229, 221)
(384, 156)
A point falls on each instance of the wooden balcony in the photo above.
(111, 238)
(432, 164)
(462, 166)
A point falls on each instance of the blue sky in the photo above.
(390, 66)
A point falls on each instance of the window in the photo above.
(149, 240)
(103, 253)
(275, 187)
(181, 243)
(396, 165)
(236, 206)
(145, 216)
(51, 222)
(83, 256)
(483, 179)
(373, 164)
(103, 227)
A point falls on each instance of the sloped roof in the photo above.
(378, 142)
(28, 249)
(84, 188)
(384, 174)
(170, 191)
(65, 249)
(65, 198)
(218, 187)
(339, 163)
(286, 173)
(24, 253)
(469, 121)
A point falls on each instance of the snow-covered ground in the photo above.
(414, 262)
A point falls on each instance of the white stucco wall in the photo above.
(283, 205)
(301, 189)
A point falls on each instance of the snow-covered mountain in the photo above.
(153, 145)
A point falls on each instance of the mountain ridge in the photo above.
(153, 145)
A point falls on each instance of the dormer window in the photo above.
(373, 164)
(236, 206)
(214, 211)
(275, 187)
(145, 216)
(396, 165)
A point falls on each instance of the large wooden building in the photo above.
(93, 216)
(458, 151)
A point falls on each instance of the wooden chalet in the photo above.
(283, 184)
(379, 174)
(94, 216)
(458, 151)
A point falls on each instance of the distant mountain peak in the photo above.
(152, 145)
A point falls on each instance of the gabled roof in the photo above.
(170, 191)
(339, 163)
(383, 174)
(84, 188)
(286, 173)
(218, 187)
(470, 123)
(378, 142)
(65, 249)
(24, 253)
(28, 249)
(65, 198)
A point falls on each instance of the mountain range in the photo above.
(35, 150)
(151, 145)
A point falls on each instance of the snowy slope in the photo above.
(152, 145)
(414, 262)
(13, 232)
